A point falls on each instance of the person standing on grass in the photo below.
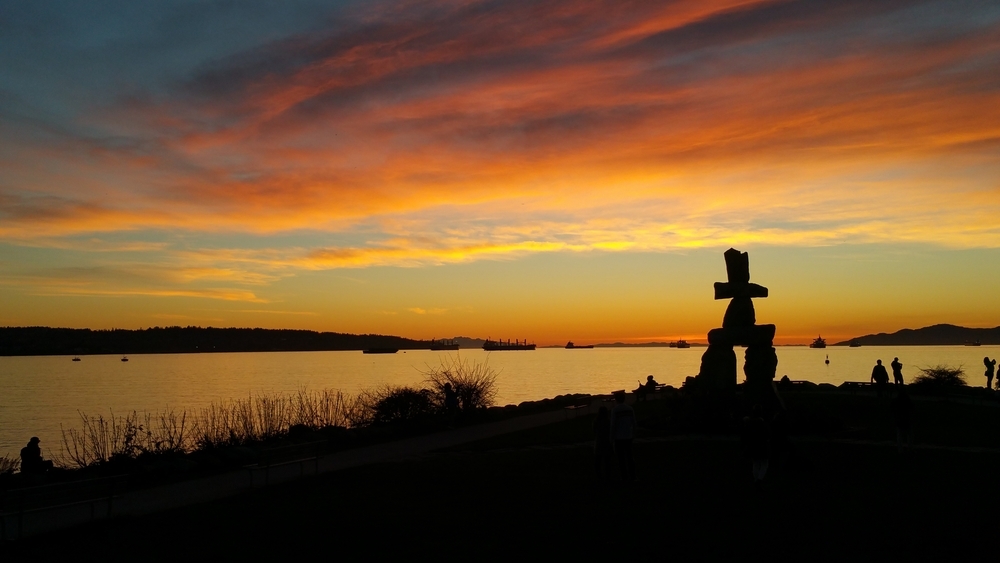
(991, 366)
(622, 432)
(880, 377)
(897, 372)
(603, 448)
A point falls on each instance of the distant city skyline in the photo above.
(546, 171)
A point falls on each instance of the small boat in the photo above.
(444, 345)
(76, 358)
(854, 343)
(571, 346)
(976, 343)
(124, 358)
(818, 343)
(380, 351)
(500, 345)
(683, 344)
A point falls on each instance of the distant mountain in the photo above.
(45, 341)
(937, 335)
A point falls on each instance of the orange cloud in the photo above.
(459, 132)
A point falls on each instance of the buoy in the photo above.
(828, 359)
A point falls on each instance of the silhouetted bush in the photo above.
(259, 418)
(262, 417)
(940, 377)
(474, 382)
(9, 465)
(392, 403)
(100, 440)
(237, 422)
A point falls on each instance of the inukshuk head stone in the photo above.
(739, 324)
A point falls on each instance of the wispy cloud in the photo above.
(422, 311)
(458, 131)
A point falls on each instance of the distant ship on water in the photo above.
(854, 343)
(818, 343)
(380, 351)
(571, 346)
(444, 345)
(683, 344)
(499, 345)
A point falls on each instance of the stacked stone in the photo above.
(740, 328)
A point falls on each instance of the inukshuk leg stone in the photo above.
(739, 328)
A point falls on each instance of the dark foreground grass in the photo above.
(694, 502)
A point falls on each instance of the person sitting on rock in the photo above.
(650, 384)
(31, 458)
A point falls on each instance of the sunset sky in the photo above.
(571, 169)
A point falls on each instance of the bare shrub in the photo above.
(940, 377)
(225, 423)
(9, 465)
(474, 382)
(166, 432)
(99, 440)
(261, 417)
(241, 421)
(392, 403)
(320, 409)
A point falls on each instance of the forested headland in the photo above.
(44, 341)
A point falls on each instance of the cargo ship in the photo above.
(444, 345)
(571, 346)
(499, 345)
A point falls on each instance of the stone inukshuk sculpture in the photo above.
(739, 328)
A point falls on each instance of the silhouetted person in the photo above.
(650, 385)
(755, 443)
(991, 366)
(31, 458)
(902, 415)
(880, 377)
(897, 372)
(644, 390)
(622, 432)
(603, 449)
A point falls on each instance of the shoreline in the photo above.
(691, 487)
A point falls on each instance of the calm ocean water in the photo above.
(42, 393)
